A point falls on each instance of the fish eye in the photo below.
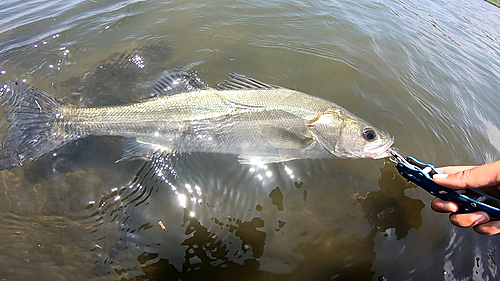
(369, 134)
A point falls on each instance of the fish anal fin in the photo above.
(136, 148)
(262, 160)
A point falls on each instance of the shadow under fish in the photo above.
(118, 79)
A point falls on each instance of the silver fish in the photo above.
(241, 116)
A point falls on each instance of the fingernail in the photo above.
(450, 207)
(480, 218)
(440, 176)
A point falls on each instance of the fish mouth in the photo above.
(381, 151)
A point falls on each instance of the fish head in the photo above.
(347, 136)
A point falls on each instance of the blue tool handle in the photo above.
(468, 200)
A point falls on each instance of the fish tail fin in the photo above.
(32, 114)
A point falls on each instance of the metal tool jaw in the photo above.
(468, 200)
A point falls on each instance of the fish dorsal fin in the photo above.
(171, 83)
(237, 81)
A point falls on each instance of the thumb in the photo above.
(480, 176)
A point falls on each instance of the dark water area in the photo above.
(427, 72)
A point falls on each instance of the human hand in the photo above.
(485, 178)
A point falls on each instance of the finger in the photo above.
(489, 228)
(441, 206)
(480, 176)
(454, 169)
(470, 219)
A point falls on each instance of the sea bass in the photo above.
(241, 116)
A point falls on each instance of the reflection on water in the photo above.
(425, 71)
(170, 224)
(388, 207)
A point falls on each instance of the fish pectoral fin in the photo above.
(284, 138)
(135, 148)
(171, 83)
(237, 81)
(262, 160)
